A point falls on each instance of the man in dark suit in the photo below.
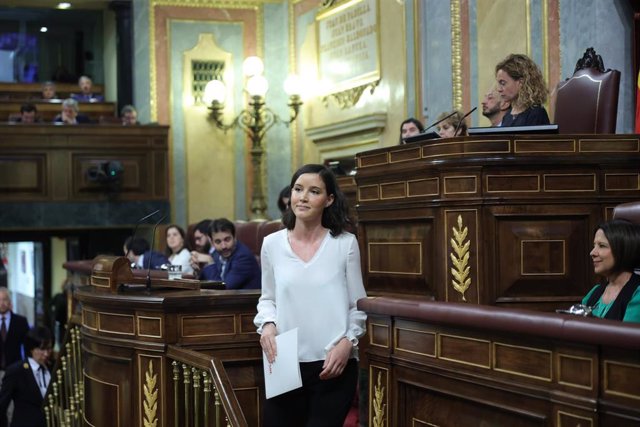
(139, 253)
(234, 263)
(26, 382)
(13, 329)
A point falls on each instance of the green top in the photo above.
(600, 309)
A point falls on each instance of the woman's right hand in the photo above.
(268, 341)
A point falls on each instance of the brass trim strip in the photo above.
(520, 374)
(101, 329)
(569, 356)
(559, 423)
(371, 334)
(140, 334)
(117, 386)
(606, 379)
(397, 347)
(544, 180)
(419, 244)
(235, 326)
(460, 337)
(512, 176)
(475, 184)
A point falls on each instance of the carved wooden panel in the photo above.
(401, 256)
(23, 175)
(49, 163)
(536, 254)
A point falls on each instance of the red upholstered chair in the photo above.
(628, 211)
(588, 101)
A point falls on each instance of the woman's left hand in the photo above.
(336, 360)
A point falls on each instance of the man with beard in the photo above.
(494, 107)
(203, 253)
(234, 263)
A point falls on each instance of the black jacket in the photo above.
(20, 386)
(18, 329)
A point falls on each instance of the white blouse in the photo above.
(318, 297)
(182, 258)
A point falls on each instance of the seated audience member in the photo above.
(203, 253)
(234, 263)
(86, 91)
(283, 199)
(176, 248)
(410, 127)
(520, 82)
(71, 114)
(28, 114)
(140, 255)
(615, 255)
(49, 91)
(129, 116)
(494, 107)
(26, 381)
(453, 126)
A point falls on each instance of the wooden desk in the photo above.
(49, 163)
(48, 110)
(127, 332)
(510, 217)
(452, 364)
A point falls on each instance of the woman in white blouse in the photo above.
(311, 280)
(176, 251)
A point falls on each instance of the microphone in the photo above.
(135, 230)
(439, 121)
(455, 133)
(153, 238)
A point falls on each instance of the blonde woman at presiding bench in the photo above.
(311, 280)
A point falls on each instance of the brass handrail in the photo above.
(202, 374)
(63, 400)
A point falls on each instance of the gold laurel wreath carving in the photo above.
(150, 398)
(379, 407)
(460, 259)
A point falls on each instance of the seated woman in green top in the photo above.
(615, 255)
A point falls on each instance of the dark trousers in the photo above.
(318, 403)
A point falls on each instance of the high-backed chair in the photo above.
(628, 211)
(588, 101)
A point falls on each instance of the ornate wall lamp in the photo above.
(255, 121)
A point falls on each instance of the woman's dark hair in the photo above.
(335, 217)
(284, 193)
(624, 241)
(37, 337)
(168, 250)
(413, 120)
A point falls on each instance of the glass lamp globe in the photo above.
(257, 86)
(293, 85)
(252, 66)
(215, 90)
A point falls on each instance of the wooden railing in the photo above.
(65, 396)
(202, 392)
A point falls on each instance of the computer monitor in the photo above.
(541, 129)
(422, 137)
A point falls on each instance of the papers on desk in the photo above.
(283, 374)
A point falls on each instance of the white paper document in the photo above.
(283, 374)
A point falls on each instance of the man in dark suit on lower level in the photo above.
(26, 382)
(13, 329)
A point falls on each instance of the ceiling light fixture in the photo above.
(63, 5)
